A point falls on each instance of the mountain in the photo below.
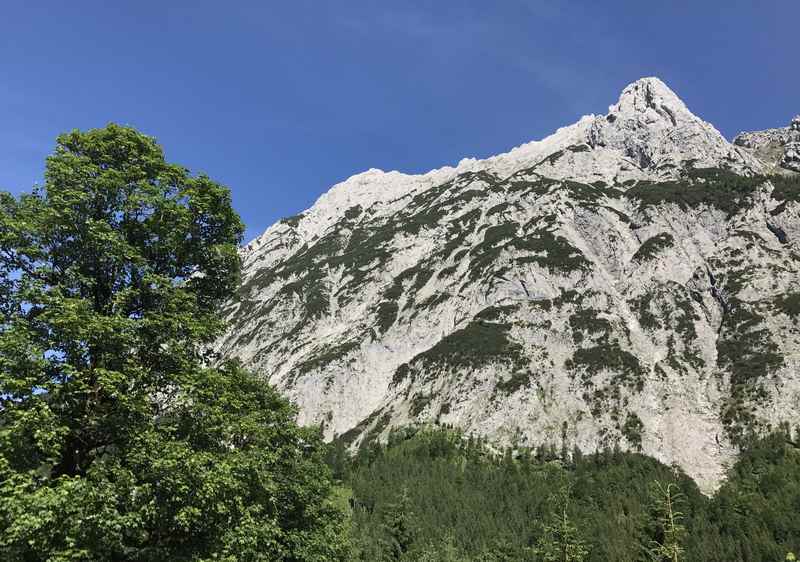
(630, 280)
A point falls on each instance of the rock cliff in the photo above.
(631, 279)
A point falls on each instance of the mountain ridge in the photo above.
(377, 186)
(575, 290)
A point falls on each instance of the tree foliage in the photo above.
(667, 521)
(398, 527)
(118, 440)
(560, 540)
(467, 498)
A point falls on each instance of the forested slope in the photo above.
(432, 494)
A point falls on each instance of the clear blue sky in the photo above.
(280, 100)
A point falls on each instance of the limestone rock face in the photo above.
(654, 128)
(776, 149)
(632, 279)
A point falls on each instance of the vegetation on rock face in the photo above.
(608, 355)
(747, 353)
(292, 221)
(436, 495)
(632, 430)
(118, 441)
(745, 348)
(387, 314)
(789, 304)
(652, 246)
(477, 344)
(787, 188)
(714, 187)
(324, 357)
(517, 380)
(600, 352)
(553, 252)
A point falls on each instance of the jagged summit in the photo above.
(648, 93)
(651, 125)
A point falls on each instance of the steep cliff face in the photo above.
(631, 279)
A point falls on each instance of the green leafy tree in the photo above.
(561, 541)
(118, 439)
(668, 522)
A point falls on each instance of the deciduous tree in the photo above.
(118, 438)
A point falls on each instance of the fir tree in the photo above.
(560, 541)
(398, 527)
(668, 522)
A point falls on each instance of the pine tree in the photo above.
(441, 551)
(670, 533)
(398, 527)
(561, 541)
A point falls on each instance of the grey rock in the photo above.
(778, 150)
(540, 296)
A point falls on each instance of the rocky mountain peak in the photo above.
(651, 125)
(651, 98)
(626, 280)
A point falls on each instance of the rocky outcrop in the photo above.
(791, 150)
(629, 280)
(776, 149)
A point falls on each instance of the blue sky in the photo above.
(280, 100)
